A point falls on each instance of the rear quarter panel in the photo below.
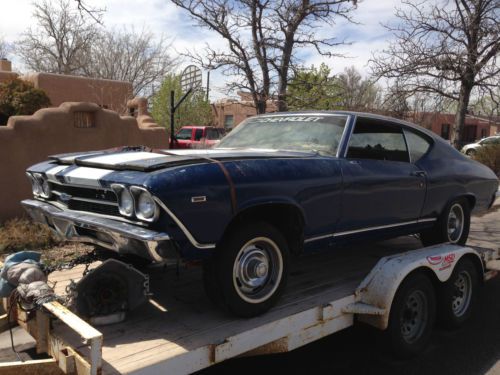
(451, 174)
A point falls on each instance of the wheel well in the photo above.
(429, 273)
(477, 264)
(471, 199)
(285, 217)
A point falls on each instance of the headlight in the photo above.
(146, 206)
(46, 190)
(126, 203)
(35, 184)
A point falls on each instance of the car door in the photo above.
(381, 187)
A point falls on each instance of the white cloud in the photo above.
(162, 17)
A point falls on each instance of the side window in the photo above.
(198, 135)
(212, 134)
(375, 139)
(184, 134)
(417, 145)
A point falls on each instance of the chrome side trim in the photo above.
(183, 227)
(367, 229)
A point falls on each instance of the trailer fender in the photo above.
(379, 287)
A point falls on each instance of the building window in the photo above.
(228, 121)
(83, 120)
(484, 133)
(445, 131)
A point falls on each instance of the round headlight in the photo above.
(46, 191)
(146, 206)
(126, 203)
(36, 187)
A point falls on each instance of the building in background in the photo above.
(61, 88)
(476, 127)
(228, 113)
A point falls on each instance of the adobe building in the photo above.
(228, 113)
(476, 127)
(60, 88)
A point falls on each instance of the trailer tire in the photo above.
(457, 211)
(412, 316)
(458, 295)
(249, 271)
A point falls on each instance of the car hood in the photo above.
(146, 160)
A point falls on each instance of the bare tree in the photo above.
(447, 47)
(61, 40)
(356, 92)
(4, 48)
(130, 56)
(262, 39)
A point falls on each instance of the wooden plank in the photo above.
(38, 367)
(4, 322)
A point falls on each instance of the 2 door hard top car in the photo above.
(277, 185)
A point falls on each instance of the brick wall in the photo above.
(72, 127)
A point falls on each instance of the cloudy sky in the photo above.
(162, 17)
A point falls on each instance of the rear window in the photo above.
(418, 145)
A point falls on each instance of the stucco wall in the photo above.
(61, 88)
(71, 127)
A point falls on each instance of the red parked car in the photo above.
(192, 136)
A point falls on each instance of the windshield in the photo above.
(320, 133)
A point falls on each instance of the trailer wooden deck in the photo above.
(179, 331)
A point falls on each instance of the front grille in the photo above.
(98, 208)
(84, 192)
(89, 199)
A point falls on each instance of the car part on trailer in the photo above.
(106, 293)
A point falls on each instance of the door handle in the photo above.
(418, 174)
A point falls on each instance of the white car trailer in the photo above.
(179, 332)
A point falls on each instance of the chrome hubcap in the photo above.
(415, 316)
(257, 270)
(462, 294)
(455, 223)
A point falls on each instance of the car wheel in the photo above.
(458, 295)
(452, 226)
(249, 271)
(412, 316)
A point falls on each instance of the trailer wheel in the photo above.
(249, 271)
(412, 316)
(458, 295)
(453, 225)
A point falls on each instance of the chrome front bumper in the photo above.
(122, 237)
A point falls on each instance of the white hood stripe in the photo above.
(85, 176)
(51, 173)
(123, 157)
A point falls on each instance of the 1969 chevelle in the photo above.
(278, 184)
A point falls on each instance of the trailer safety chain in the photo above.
(86, 259)
(12, 301)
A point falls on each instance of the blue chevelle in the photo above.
(278, 184)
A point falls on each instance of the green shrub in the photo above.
(18, 97)
(489, 156)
